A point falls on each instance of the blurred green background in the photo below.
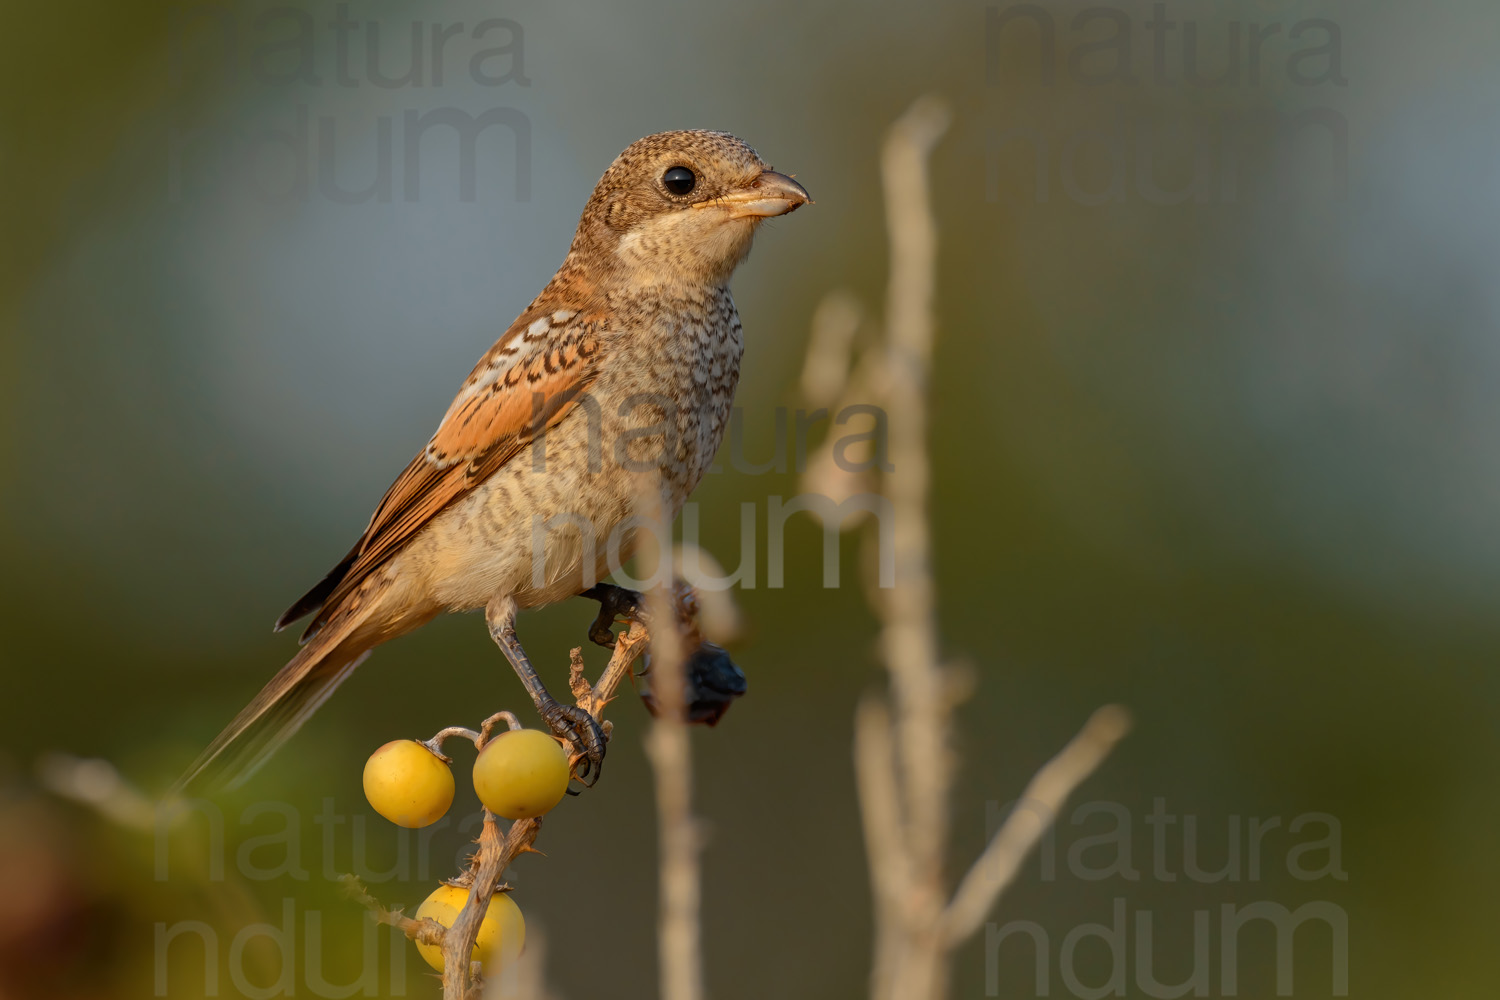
(1230, 460)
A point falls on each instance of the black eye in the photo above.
(679, 180)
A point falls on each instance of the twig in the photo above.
(523, 979)
(880, 813)
(717, 617)
(495, 853)
(910, 639)
(494, 856)
(671, 758)
(825, 373)
(903, 761)
(669, 748)
(424, 931)
(512, 724)
(915, 967)
(436, 743)
(996, 868)
(629, 646)
(97, 784)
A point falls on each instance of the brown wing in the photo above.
(526, 383)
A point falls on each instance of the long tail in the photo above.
(277, 712)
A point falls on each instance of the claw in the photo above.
(615, 604)
(578, 727)
(568, 722)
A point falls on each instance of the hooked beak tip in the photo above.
(769, 195)
(784, 186)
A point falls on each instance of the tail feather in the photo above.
(274, 715)
(314, 598)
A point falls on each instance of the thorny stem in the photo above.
(424, 931)
(460, 979)
(493, 857)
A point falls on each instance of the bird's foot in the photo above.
(571, 723)
(615, 604)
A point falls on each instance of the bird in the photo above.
(618, 377)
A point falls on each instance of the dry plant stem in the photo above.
(95, 783)
(669, 748)
(495, 852)
(915, 967)
(1033, 814)
(826, 370)
(524, 979)
(903, 762)
(436, 743)
(629, 645)
(880, 814)
(671, 758)
(424, 931)
(909, 637)
(494, 856)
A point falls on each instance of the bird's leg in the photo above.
(567, 721)
(615, 604)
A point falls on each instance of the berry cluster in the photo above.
(519, 774)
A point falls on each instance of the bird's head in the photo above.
(680, 208)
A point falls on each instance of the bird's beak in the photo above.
(768, 195)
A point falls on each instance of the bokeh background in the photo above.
(1230, 460)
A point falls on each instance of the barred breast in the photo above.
(557, 517)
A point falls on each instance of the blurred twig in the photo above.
(96, 783)
(524, 978)
(1032, 815)
(829, 348)
(670, 751)
(903, 759)
(909, 639)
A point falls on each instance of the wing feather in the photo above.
(526, 383)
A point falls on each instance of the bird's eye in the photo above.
(679, 180)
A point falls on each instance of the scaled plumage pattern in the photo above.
(624, 367)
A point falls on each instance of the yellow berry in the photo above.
(521, 773)
(408, 784)
(502, 932)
